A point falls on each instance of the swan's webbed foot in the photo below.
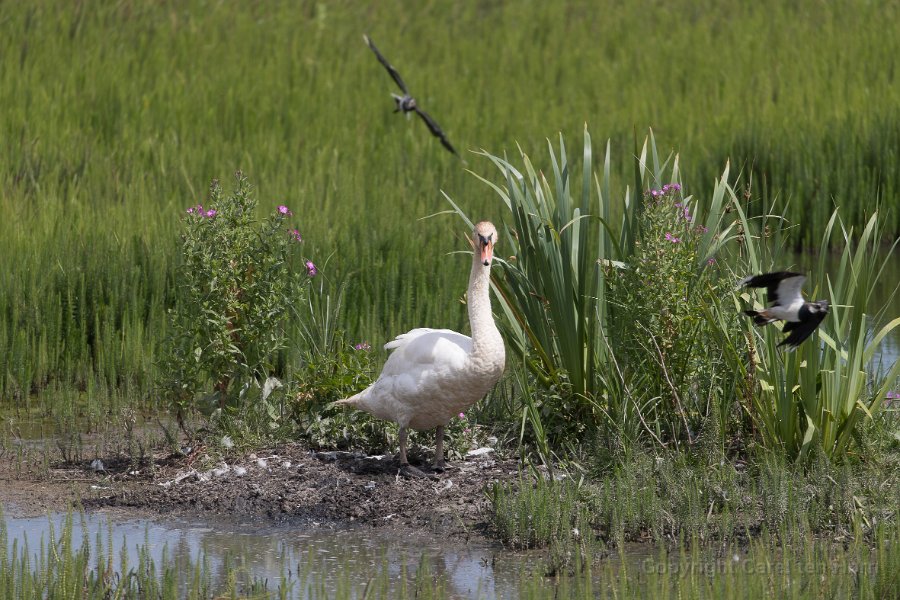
(411, 472)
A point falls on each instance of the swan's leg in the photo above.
(404, 432)
(439, 463)
(406, 468)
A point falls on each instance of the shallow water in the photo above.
(317, 557)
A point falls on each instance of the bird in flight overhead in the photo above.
(407, 103)
(786, 304)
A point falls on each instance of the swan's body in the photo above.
(434, 374)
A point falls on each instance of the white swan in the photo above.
(434, 374)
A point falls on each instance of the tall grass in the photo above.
(117, 116)
(63, 568)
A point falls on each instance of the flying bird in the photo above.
(786, 304)
(432, 375)
(406, 103)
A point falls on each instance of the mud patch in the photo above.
(288, 484)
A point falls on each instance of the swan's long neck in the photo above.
(485, 335)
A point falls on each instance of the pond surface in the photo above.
(333, 558)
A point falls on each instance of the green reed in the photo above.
(117, 116)
(63, 567)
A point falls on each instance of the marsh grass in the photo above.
(118, 117)
(857, 567)
(670, 499)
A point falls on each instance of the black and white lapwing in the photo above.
(406, 103)
(786, 303)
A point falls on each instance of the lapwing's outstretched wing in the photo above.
(390, 69)
(785, 297)
(782, 288)
(435, 129)
(800, 330)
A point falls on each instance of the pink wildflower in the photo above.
(311, 269)
(284, 210)
(295, 235)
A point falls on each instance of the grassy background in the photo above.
(117, 115)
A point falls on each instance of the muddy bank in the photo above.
(287, 484)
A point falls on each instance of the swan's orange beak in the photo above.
(487, 251)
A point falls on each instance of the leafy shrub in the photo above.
(664, 336)
(236, 281)
(337, 371)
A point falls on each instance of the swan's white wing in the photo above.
(427, 349)
(418, 382)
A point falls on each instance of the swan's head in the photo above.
(483, 238)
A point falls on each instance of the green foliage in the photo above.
(339, 371)
(552, 290)
(672, 496)
(609, 319)
(113, 116)
(235, 284)
(857, 567)
(541, 513)
(660, 331)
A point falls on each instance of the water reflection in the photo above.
(313, 559)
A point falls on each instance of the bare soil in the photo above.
(287, 484)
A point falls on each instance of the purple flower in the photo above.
(362, 346)
(211, 213)
(893, 396)
(195, 210)
(655, 193)
(665, 188)
(711, 261)
(462, 415)
(672, 238)
(295, 235)
(311, 269)
(675, 187)
(284, 210)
